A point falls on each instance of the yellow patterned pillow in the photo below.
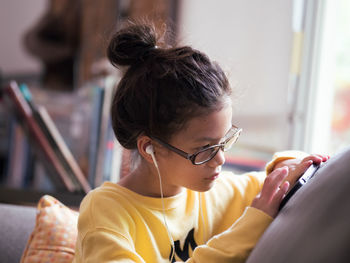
(53, 238)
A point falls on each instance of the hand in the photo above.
(272, 192)
(297, 167)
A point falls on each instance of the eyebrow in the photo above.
(205, 139)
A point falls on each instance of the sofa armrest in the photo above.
(314, 224)
(16, 224)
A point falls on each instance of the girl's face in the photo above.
(178, 172)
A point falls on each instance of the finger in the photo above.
(318, 158)
(305, 166)
(300, 170)
(272, 182)
(314, 158)
(324, 157)
(277, 198)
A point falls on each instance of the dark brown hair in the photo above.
(163, 87)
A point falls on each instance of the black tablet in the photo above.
(309, 173)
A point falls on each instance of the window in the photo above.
(321, 88)
(340, 125)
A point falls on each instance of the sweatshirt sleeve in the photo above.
(103, 245)
(236, 243)
(281, 156)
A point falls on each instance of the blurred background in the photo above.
(288, 62)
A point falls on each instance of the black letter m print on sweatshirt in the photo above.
(183, 253)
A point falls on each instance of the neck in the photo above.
(144, 180)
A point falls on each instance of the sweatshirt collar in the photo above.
(152, 202)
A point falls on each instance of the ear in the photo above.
(142, 142)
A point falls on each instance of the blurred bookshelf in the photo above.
(56, 142)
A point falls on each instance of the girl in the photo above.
(173, 109)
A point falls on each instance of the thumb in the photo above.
(306, 165)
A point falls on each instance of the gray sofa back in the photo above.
(16, 225)
(314, 226)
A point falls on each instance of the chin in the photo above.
(204, 187)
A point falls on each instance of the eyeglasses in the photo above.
(206, 154)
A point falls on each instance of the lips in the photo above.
(216, 174)
(213, 177)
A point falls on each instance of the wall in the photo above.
(16, 16)
(253, 40)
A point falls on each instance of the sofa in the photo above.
(314, 226)
(16, 224)
(46, 233)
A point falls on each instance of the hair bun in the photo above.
(131, 45)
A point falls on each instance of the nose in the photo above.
(218, 160)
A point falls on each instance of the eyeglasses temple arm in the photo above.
(174, 149)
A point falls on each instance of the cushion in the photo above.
(314, 224)
(54, 235)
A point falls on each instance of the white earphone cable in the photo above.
(163, 206)
(204, 232)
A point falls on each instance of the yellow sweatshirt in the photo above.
(118, 225)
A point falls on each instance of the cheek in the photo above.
(180, 165)
(170, 162)
(185, 173)
(178, 168)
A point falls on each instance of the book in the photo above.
(105, 116)
(24, 110)
(97, 102)
(113, 156)
(109, 148)
(57, 142)
(62, 149)
(18, 156)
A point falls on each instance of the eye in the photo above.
(203, 147)
(200, 148)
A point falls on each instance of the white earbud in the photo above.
(149, 149)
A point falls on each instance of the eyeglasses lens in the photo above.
(231, 141)
(206, 155)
